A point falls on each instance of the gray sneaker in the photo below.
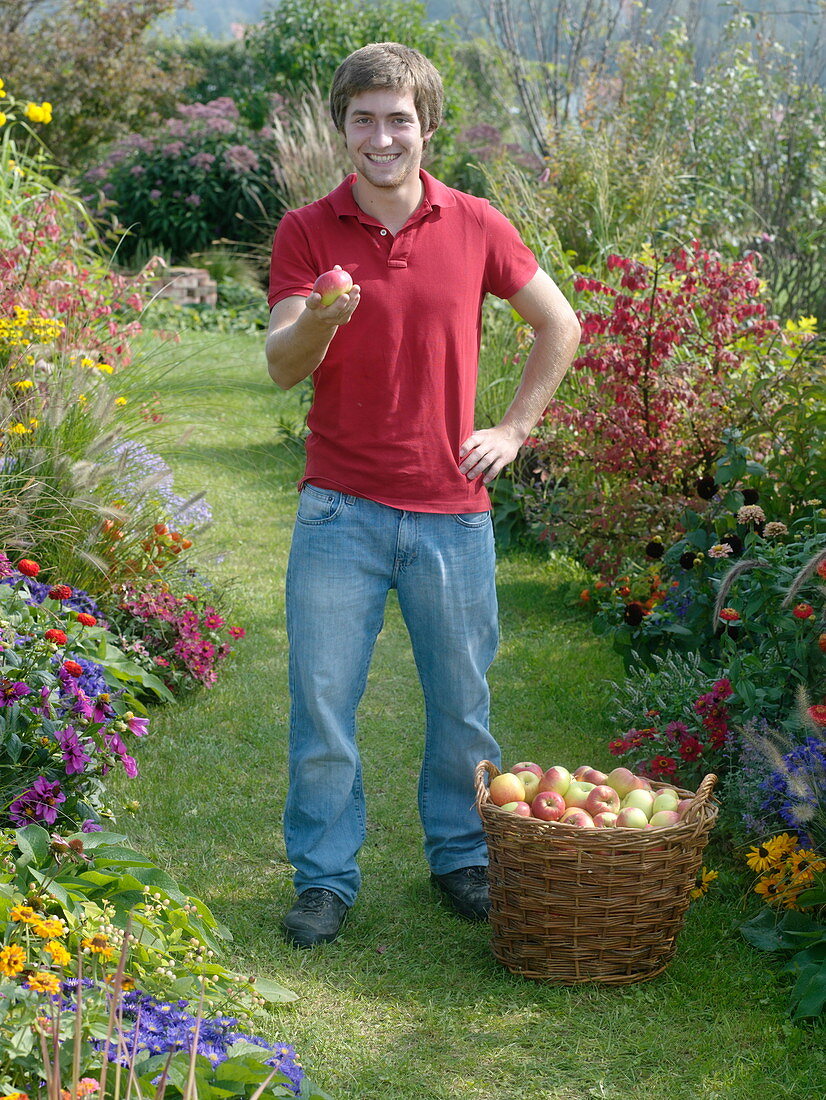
(316, 917)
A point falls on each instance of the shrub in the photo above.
(201, 176)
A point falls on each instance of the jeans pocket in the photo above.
(317, 506)
(474, 520)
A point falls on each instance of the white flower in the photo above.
(719, 550)
(751, 513)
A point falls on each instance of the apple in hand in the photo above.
(548, 806)
(506, 787)
(521, 809)
(332, 284)
(574, 816)
(530, 781)
(602, 799)
(631, 817)
(577, 794)
(527, 766)
(556, 779)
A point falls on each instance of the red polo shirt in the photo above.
(394, 396)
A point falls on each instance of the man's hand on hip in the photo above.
(487, 452)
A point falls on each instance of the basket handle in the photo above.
(483, 768)
(700, 798)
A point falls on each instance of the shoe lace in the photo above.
(477, 876)
(315, 899)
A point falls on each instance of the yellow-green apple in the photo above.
(642, 800)
(506, 787)
(556, 779)
(592, 775)
(605, 820)
(664, 817)
(622, 780)
(666, 799)
(683, 805)
(530, 781)
(602, 799)
(575, 816)
(521, 809)
(548, 806)
(577, 794)
(631, 817)
(528, 766)
(332, 284)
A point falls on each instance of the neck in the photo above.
(392, 206)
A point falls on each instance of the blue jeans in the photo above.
(347, 553)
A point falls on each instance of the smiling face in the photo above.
(384, 137)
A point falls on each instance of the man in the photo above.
(394, 490)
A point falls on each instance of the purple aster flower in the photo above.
(38, 803)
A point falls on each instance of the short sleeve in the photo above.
(510, 264)
(292, 267)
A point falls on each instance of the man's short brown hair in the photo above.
(388, 65)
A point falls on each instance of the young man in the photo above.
(394, 490)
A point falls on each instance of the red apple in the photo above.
(332, 284)
(622, 780)
(506, 787)
(577, 794)
(528, 766)
(578, 817)
(521, 809)
(593, 775)
(578, 772)
(556, 779)
(605, 820)
(683, 805)
(602, 799)
(548, 806)
(530, 781)
(631, 817)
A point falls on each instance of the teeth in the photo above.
(383, 159)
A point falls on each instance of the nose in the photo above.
(381, 137)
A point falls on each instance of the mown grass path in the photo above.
(410, 1002)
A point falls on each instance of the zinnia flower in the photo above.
(43, 982)
(720, 550)
(774, 530)
(56, 636)
(817, 713)
(73, 668)
(633, 613)
(729, 615)
(28, 567)
(706, 487)
(60, 955)
(751, 513)
(60, 592)
(239, 632)
(803, 611)
(86, 620)
(12, 960)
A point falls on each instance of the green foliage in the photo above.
(800, 939)
(94, 60)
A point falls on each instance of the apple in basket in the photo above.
(666, 799)
(530, 781)
(521, 809)
(642, 800)
(577, 794)
(664, 817)
(602, 799)
(575, 816)
(631, 817)
(590, 775)
(548, 806)
(605, 820)
(527, 766)
(556, 779)
(506, 787)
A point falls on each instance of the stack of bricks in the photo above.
(187, 286)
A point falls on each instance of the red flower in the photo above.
(662, 765)
(86, 620)
(56, 636)
(690, 748)
(817, 713)
(821, 569)
(60, 592)
(617, 747)
(729, 615)
(803, 611)
(73, 668)
(237, 632)
(821, 641)
(28, 567)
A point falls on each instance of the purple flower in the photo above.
(136, 725)
(240, 158)
(154, 194)
(137, 170)
(6, 567)
(193, 200)
(11, 691)
(38, 803)
(173, 149)
(75, 756)
(202, 160)
(90, 826)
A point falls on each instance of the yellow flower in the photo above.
(706, 879)
(44, 982)
(23, 384)
(120, 401)
(58, 952)
(24, 913)
(3, 119)
(760, 858)
(99, 945)
(804, 864)
(770, 888)
(15, 1096)
(46, 108)
(18, 429)
(2, 84)
(33, 113)
(48, 927)
(12, 960)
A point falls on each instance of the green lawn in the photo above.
(410, 1002)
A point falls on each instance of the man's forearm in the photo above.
(296, 349)
(551, 355)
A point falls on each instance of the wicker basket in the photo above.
(577, 905)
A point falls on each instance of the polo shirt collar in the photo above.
(435, 194)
